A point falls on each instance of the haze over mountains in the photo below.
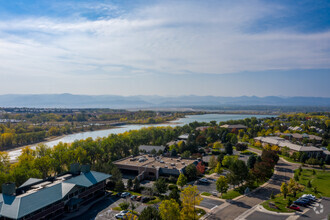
(111, 101)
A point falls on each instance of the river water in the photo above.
(121, 129)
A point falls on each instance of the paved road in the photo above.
(239, 206)
(210, 203)
(262, 216)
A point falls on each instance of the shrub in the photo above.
(171, 187)
(309, 184)
(241, 146)
(124, 205)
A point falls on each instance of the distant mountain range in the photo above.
(112, 101)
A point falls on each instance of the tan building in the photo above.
(149, 167)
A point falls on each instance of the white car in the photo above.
(122, 214)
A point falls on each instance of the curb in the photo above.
(214, 198)
(262, 209)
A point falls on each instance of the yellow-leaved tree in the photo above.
(190, 198)
(169, 210)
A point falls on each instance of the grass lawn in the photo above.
(289, 159)
(119, 209)
(200, 212)
(255, 147)
(279, 202)
(206, 194)
(116, 208)
(231, 194)
(151, 202)
(321, 180)
(134, 193)
(247, 152)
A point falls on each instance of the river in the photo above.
(13, 154)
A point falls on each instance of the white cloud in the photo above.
(172, 38)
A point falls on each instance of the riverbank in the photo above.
(113, 126)
(15, 152)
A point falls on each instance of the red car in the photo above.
(294, 207)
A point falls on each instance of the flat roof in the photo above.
(155, 162)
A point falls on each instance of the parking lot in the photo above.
(209, 187)
(318, 210)
(103, 209)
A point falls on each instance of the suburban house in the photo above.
(183, 137)
(150, 167)
(299, 137)
(54, 196)
(231, 127)
(281, 142)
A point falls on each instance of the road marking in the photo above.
(245, 214)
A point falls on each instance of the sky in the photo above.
(168, 48)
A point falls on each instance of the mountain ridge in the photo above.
(67, 100)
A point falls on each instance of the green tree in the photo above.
(218, 169)
(124, 205)
(174, 194)
(129, 184)
(222, 185)
(213, 162)
(160, 185)
(186, 154)
(191, 172)
(284, 189)
(120, 186)
(228, 160)
(169, 210)
(182, 180)
(251, 161)
(229, 148)
(150, 213)
(136, 185)
(116, 174)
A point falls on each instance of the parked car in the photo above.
(118, 194)
(300, 203)
(125, 194)
(145, 199)
(305, 200)
(214, 193)
(133, 197)
(203, 181)
(122, 214)
(309, 196)
(138, 198)
(295, 207)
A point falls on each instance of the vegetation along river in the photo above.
(121, 129)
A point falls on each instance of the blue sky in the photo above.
(220, 48)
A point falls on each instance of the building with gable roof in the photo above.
(52, 197)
